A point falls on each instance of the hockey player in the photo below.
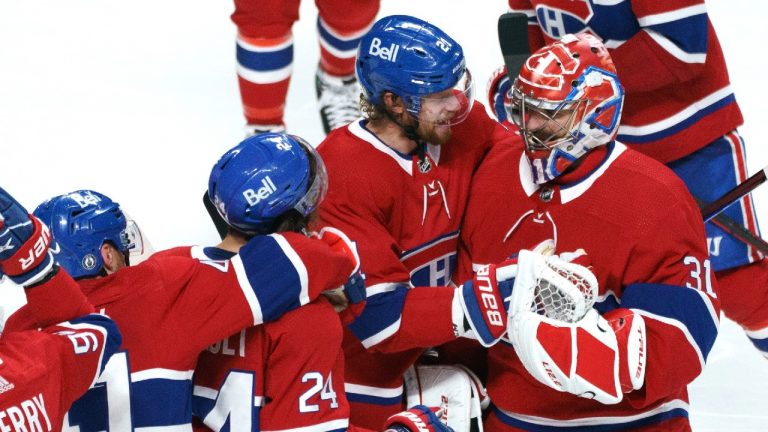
(170, 308)
(680, 109)
(43, 372)
(398, 184)
(627, 362)
(265, 59)
(292, 367)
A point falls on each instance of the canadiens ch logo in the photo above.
(557, 18)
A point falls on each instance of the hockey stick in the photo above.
(513, 40)
(218, 221)
(717, 206)
(737, 230)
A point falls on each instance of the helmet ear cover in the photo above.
(266, 178)
(566, 101)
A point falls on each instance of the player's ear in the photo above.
(393, 102)
(113, 259)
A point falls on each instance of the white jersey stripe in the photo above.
(320, 427)
(268, 77)
(380, 336)
(160, 373)
(675, 50)
(380, 392)
(245, 286)
(597, 421)
(298, 264)
(681, 116)
(671, 16)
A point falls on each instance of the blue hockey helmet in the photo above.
(265, 176)
(80, 223)
(416, 61)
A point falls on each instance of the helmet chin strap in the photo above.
(412, 134)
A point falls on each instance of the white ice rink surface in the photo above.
(138, 99)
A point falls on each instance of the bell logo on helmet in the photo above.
(255, 197)
(84, 199)
(386, 53)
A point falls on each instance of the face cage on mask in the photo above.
(544, 138)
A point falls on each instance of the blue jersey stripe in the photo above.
(381, 311)
(265, 61)
(161, 402)
(113, 337)
(650, 138)
(689, 34)
(533, 427)
(277, 285)
(685, 305)
(374, 400)
(339, 44)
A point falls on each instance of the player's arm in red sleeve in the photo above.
(656, 342)
(56, 300)
(678, 302)
(671, 46)
(47, 370)
(270, 276)
(392, 305)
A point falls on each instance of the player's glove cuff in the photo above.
(32, 261)
(417, 419)
(483, 301)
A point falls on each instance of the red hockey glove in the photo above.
(354, 288)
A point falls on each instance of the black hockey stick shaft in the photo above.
(717, 206)
(737, 230)
(513, 40)
(218, 221)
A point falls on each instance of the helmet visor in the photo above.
(134, 242)
(319, 182)
(450, 106)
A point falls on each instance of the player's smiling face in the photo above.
(436, 116)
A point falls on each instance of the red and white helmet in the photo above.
(566, 101)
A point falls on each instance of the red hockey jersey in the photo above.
(43, 372)
(284, 375)
(405, 220)
(645, 239)
(170, 308)
(669, 60)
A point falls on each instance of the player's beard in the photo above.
(435, 133)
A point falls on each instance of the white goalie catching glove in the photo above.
(534, 281)
(597, 357)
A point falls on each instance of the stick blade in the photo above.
(513, 40)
